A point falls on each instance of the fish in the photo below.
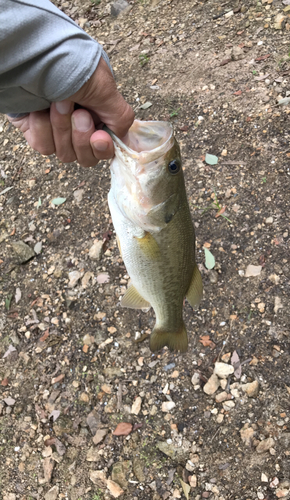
(154, 230)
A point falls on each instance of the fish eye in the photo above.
(174, 167)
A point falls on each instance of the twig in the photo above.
(119, 397)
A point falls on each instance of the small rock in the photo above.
(228, 405)
(281, 493)
(264, 478)
(79, 193)
(220, 418)
(138, 469)
(265, 445)
(212, 385)
(277, 304)
(252, 389)
(193, 481)
(274, 483)
(9, 401)
(99, 436)
(167, 406)
(88, 339)
(253, 271)
(136, 406)
(52, 493)
(74, 277)
(247, 433)
(119, 471)
(269, 220)
(85, 281)
(118, 7)
(223, 370)
(93, 455)
(84, 397)
(237, 53)
(22, 251)
(195, 379)
(115, 490)
(123, 429)
(98, 477)
(279, 21)
(96, 250)
(223, 396)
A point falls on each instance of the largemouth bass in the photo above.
(154, 230)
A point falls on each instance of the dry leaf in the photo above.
(186, 488)
(235, 362)
(221, 211)
(206, 342)
(123, 429)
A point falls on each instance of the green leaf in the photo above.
(6, 189)
(211, 159)
(38, 203)
(209, 259)
(186, 488)
(284, 101)
(146, 105)
(8, 301)
(58, 201)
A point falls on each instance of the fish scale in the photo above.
(156, 239)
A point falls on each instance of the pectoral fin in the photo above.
(119, 245)
(133, 299)
(194, 293)
(149, 246)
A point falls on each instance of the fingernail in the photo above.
(63, 107)
(82, 121)
(101, 145)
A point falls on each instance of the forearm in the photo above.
(45, 56)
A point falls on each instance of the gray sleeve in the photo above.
(44, 55)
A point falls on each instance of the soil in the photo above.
(71, 369)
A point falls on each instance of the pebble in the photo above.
(252, 389)
(84, 397)
(136, 406)
(115, 490)
(212, 385)
(281, 493)
(223, 396)
(223, 370)
(265, 445)
(247, 433)
(74, 277)
(220, 418)
(253, 271)
(264, 478)
(23, 251)
(95, 252)
(118, 7)
(195, 378)
(88, 339)
(52, 493)
(98, 477)
(229, 405)
(167, 406)
(269, 220)
(79, 193)
(99, 436)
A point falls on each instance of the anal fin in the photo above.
(194, 292)
(134, 300)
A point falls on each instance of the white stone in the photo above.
(223, 370)
(168, 406)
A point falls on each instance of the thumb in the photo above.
(101, 96)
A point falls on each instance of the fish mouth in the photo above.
(146, 141)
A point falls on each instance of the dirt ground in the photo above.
(71, 369)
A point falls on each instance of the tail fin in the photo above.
(173, 340)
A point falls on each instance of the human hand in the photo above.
(73, 134)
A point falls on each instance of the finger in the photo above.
(21, 122)
(39, 135)
(100, 94)
(102, 145)
(60, 117)
(82, 129)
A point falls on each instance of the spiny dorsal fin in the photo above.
(194, 293)
(149, 246)
(133, 299)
